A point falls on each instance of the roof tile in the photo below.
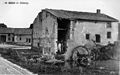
(16, 30)
(80, 15)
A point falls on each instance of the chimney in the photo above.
(98, 11)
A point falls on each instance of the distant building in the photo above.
(72, 28)
(2, 25)
(21, 36)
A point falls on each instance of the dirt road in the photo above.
(7, 67)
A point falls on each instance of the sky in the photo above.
(19, 15)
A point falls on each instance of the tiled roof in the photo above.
(6, 30)
(22, 31)
(80, 15)
(16, 30)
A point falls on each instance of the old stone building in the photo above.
(71, 28)
(21, 36)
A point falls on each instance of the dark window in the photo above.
(98, 39)
(3, 38)
(29, 40)
(9, 34)
(87, 36)
(109, 25)
(108, 35)
(38, 44)
(9, 38)
(13, 39)
(20, 38)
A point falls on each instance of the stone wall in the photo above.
(45, 32)
(82, 28)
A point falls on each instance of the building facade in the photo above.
(72, 28)
(21, 36)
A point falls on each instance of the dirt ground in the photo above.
(109, 67)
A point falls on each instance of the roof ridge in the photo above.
(80, 15)
(70, 11)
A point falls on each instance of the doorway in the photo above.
(12, 39)
(63, 34)
(3, 38)
(98, 38)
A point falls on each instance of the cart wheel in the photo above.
(79, 50)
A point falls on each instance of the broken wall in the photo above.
(45, 33)
(37, 30)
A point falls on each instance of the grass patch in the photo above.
(50, 69)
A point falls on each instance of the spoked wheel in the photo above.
(79, 50)
(78, 55)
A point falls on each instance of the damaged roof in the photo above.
(80, 15)
(17, 31)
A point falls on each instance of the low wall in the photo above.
(117, 50)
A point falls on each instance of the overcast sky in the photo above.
(22, 15)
